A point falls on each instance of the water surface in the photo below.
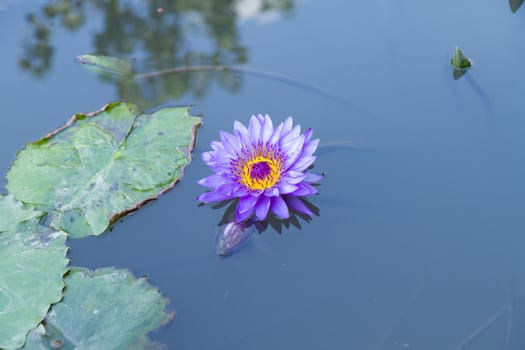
(420, 237)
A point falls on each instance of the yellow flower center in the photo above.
(260, 170)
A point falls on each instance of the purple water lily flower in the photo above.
(263, 166)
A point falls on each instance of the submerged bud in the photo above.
(232, 236)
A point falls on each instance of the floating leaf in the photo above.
(106, 66)
(32, 264)
(460, 63)
(515, 5)
(102, 309)
(459, 60)
(14, 213)
(101, 166)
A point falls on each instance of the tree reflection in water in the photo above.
(156, 35)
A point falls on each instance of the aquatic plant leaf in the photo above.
(32, 264)
(101, 166)
(14, 213)
(106, 66)
(460, 63)
(459, 60)
(102, 309)
(515, 5)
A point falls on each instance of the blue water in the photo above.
(421, 232)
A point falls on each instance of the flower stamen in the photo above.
(259, 170)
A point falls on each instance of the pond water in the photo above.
(420, 238)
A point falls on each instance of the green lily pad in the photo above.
(14, 213)
(102, 166)
(102, 309)
(460, 63)
(33, 262)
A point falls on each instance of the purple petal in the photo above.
(298, 205)
(303, 163)
(271, 192)
(240, 190)
(245, 207)
(254, 129)
(310, 147)
(260, 118)
(267, 129)
(220, 168)
(207, 156)
(293, 150)
(304, 190)
(217, 146)
(216, 161)
(279, 208)
(276, 134)
(308, 134)
(313, 178)
(241, 217)
(290, 136)
(217, 156)
(246, 203)
(241, 132)
(232, 144)
(262, 207)
(285, 188)
(293, 177)
(287, 126)
(232, 189)
(213, 181)
(213, 196)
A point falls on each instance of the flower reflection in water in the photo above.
(232, 236)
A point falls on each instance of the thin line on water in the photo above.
(471, 338)
(416, 293)
(349, 145)
(258, 73)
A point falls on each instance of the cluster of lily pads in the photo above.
(72, 183)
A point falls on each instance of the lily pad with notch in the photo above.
(31, 273)
(101, 166)
(103, 309)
